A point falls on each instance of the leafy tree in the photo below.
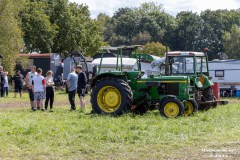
(38, 31)
(59, 26)
(231, 42)
(188, 31)
(149, 22)
(153, 48)
(106, 25)
(10, 33)
(214, 24)
(141, 38)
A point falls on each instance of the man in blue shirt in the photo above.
(72, 87)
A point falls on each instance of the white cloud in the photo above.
(171, 6)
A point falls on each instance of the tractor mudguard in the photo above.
(120, 75)
(166, 97)
(206, 81)
(197, 82)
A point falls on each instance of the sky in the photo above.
(171, 6)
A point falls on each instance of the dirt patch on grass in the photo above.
(26, 104)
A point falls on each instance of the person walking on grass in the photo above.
(39, 89)
(49, 90)
(18, 83)
(2, 81)
(81, 86)
(72, 87)
(28, 80)
(6, 86)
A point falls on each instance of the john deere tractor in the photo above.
(195, 66)
(118, 91)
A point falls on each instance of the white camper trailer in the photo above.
(227, 73)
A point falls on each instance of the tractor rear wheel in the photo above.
(111, 96)
(192, 107)
(171, 108)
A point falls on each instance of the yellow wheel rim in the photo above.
(171, 110)
(189, 109)
(109, 99)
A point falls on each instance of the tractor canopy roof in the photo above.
(112, 62)
(145, 57)
(185, 53)
(121, 47)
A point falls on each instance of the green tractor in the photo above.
(195, 66)
(118, 91)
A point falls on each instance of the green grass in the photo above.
(73, 135)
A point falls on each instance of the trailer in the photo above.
(48, 61)
(227, 74)
(70, 62)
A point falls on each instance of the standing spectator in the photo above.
(18, 83)
(49, 90)
(29, 79)
(39, 89)
(2, 81)
(6, 86)
(81, 86)
(72, 87)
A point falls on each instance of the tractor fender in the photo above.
(166, 97)
(104, 75)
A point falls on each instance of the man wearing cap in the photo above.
(81, 86)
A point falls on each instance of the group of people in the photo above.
(76, 83)
(40, 88)
(17, 81)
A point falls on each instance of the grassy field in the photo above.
(73, 135)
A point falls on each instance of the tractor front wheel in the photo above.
(171, 108)
(192, 107)
(111, 96)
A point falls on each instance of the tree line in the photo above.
(45, 26)
(59, 26)
(187, 31)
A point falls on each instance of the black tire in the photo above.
(178, 106)
(208, 94)
(192, 107)
(121, 90)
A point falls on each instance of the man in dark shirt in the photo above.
(2, 81)
(18, 83)
(81, 86)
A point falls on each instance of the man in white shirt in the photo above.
(28, 81)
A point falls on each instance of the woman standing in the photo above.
(49, 90)
(6, 89)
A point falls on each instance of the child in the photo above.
(6, 89)
(49, 90)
